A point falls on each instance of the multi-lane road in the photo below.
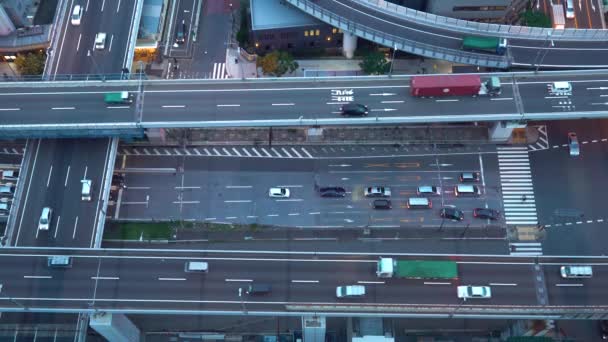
(129, 280)
(267, 102)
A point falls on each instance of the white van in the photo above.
(197, 266)
(466, 190)
(60, 261)
(560, 88)
(576, 271)
(85, 193)
(350, 291)
(419, 202)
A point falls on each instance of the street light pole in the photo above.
(390, 72)
(547, 42)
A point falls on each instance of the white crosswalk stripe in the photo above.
(516, 186)
(219, 71)
(526, 248)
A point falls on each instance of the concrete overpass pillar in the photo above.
(501, 131)
(349, 45)
(313, 328)
(115, 327)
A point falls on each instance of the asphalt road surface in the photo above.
(236, 189)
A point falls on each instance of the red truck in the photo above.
(453, 85)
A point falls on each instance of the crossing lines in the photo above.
(219, 71)
(516, 184)
(297, 152)
(526, 248)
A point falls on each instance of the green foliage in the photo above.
(535, 19)
(242, 36)
(31, 63)
(277, 63)
(374, 63)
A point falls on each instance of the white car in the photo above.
(45, 218)
(278, 193)
(377, 191)
(469, 291)
(76, 15)
(350, 291)
(100, 41)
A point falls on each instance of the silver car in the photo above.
(573, 144)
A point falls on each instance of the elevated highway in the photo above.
(136, 281)
(441, 38)
(62, 109)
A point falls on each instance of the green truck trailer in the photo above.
(485, 44)
(121, 97)
(422, 269)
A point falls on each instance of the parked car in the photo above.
(377, 191)
(469, 291)
(486, 213)
(451, 214)
(354, 109)
(278, 193)
(573, 145)
(10, 175)
(4, 208)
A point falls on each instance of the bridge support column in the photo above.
(313, 328)
(501, 131)
(114, 327)
(349, 45)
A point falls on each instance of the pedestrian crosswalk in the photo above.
(526, 248)
(219, 71)
(516, 184)
(297, 152)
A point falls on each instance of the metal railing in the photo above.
(403, 44)
(70, 77)
(488, 29)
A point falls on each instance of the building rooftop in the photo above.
(273, 14)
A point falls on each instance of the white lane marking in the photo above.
(246, 152)
(305, 151)
(57, 226)
(290, 186)
(392, 101)
(62, 108)
(256, 151)
(370, 282)
(435, 283)
(228, 105)
(315, 213)
(230, 217)
(293, 214)
(285, 151)
(296, 152)
(290, 200)
(264, 150)
(185, 187)
(237, 201)
(7, 109)
(37, 277)
(283, 104)
(186, 202)
(239, 280)
(501, 99)
(172, 279)
(75, 226)
(569, 285)
(304, 281)
(174, 106)
(236, 151)
(503, 284)
(105, 278)
(210, 219)
(448, 100)
(272, 215)
(48, 180)
(239, 186)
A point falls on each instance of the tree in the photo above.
(535, 19)
(374, 63)
(31, 63)
(277, 63)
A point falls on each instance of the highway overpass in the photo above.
(77, 109)
(441, 38)
(136, 281)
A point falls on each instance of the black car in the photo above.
(469, 177)
(332, 191)
(382, 204)
(485, 213)
(451, 214)
(180, 35)
(354, 109)
(604, 329)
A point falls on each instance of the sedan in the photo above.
(485, 213)
(354, 109)
(451, 214)
(278, 193)
(469, 291)
(377, 191)
(332, 191)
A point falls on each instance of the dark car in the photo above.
(354, 109)
(469, 177)
(604, 329)
(180, 35)
(257, 289)
(485, 213)
(382, 204)
(332, 191)
(119, 181)
(451, 214)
